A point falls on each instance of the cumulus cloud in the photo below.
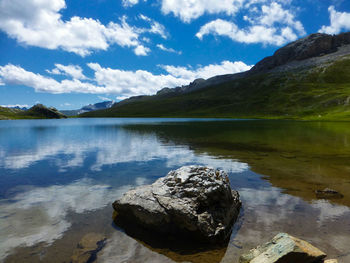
(15, 75)
(171, 50)
(226, 67)
(141, 50)
(40, 24)
(274, 26)
(128, 83)
(189, 10)
(339, 21)
(156, 27)
(128, 3)
(114, 81)
(74, 71)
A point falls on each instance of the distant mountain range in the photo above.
(91, 107)
(306, 79)
(38, 111)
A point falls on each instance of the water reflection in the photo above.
(39, 215)
(110, 144)
(58, 179)
(299, 157)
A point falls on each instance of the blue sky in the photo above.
(69, 53)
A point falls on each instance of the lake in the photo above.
(58, 179)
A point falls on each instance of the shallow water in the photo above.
(58, 179)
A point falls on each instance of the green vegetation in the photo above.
(7, 113)
(38, 111)
(317, 93)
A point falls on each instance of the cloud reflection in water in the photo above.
(39, 215)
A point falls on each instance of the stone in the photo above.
(284, 248)
(331, 261)
(193, 201)
(87, 248)
(328, 194)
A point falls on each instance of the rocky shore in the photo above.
(197, 203)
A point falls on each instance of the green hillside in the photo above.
(38, 111)
(7, 113)
(319, 92)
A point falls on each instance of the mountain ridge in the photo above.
(308, 47)
(90, 107)
(305, 79)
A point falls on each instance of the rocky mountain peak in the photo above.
(311, 46)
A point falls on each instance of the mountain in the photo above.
(42, 112)
(306, 79)
(38, 111)
(8, 113)
(18, 108)
(88, 108)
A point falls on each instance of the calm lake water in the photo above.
(58, 179)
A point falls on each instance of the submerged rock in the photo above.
(328, 194)
(284, 248)
(193, 201)
(87, 248)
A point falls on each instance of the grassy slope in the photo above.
(317, 93)
(14, 114)
(6, 113)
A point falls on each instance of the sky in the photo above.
(70, 53)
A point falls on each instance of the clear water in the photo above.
(58, 179)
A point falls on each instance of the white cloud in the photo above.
(15, 105)
(15, 75)
(141, 82)
(128, 3)
(104, 98)
(115, 81)
(274, 13)
(339, 21)
(74, 71)
(141, 50)
(226, 67)
(156, 28)
(274, 26)
(189, 10)
(40, 24)
(171, 50)
(129, 83)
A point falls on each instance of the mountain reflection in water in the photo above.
(58, 179)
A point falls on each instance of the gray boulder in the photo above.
(192, 201)
(284, 248)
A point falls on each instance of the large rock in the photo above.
(193, 201)
(284, 248)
